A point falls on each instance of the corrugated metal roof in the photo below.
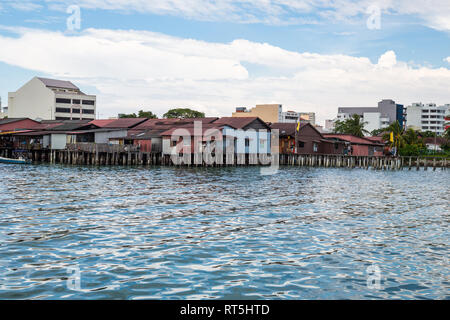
(70, 125)
(58, 83)
(350, 138)
(11, 120)
(125, 123)
(285, 129)
(102, 122)
(158, 123)
(192, 131)
(236, 122)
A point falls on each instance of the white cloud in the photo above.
(137, 69)
(388, 59)
(433, 13)
(447, 59)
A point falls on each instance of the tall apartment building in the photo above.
(382, 116)
(274, 113)
(49, 99)
(427, 117)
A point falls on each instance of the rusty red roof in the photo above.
(125, 123)
(102, 122)
(285, 129)
(210, 127)
(350, 138)
(237, 122)
(168, 123)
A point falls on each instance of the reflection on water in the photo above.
(229, 233)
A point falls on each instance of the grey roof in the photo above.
(58, 83)
(11, 120)
(69, 125)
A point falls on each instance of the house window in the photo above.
(262, 143)
(89, 102)
(247, 142)
(173, 143)
(61, 100)
(336, 146)
(301, 144)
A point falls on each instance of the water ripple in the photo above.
(229, 233)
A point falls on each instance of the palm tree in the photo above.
(397, 134)
(353, 126)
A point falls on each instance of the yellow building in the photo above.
(266, 112)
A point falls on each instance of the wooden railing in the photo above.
(101, 147)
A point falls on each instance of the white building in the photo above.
(379, 117)
(49, 99)
(426, 117)
(293, 117)
(3, 111)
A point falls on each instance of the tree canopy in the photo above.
(131, 115)
(183, 113)
(353, 126)
(147, 114)
(141, 114)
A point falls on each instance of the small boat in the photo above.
(14, 161)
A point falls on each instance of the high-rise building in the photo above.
(427, 117)
(49, 99)
(380, 117)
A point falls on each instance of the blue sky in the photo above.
(283, 33)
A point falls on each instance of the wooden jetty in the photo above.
(106, 154)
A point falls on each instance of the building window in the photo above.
(247, 142)
(76, 101)
(63, 110)
(89, 102)
(76, 110)
(61, 100)
(315, 147)
(301, 144)
(62, 118)
(85, 111)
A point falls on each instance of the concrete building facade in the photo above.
(49, 99)
(273, 113)
(380, 117)
(427, 117)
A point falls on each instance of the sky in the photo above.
(216, 55)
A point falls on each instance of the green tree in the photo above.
(353, 126)
(397, 132)
(447, 133)
(183, 113)
(147, 114)
(377, 132)
(428, 134)
(131, 115)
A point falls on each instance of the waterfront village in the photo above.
(49, 120)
